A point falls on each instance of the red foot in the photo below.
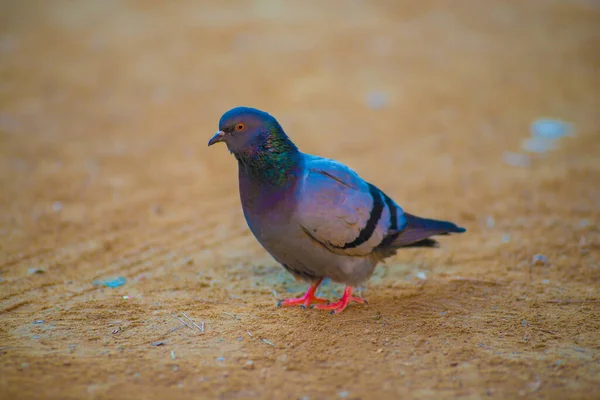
(306, 300)
(340, 305)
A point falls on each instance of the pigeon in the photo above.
(315, 216)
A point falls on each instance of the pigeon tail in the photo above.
(418, 231)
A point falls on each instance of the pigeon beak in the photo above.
(218, 137)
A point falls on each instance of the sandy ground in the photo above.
(106, 109)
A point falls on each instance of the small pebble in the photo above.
(343, 394)
(544, 134)
(524, 323)
(33, 271)
(220, 359)
(539, 259)
(156, 344)
(37, 322)
(57, 206)
(112, 283)
(549, 128)
(249, 365)
(545, 281)
(489, 221)
(506, 238)
(421, 275)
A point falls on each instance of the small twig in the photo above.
(202, 326)
(249, 334)
(201, 329)
(173, 330)
(275, 295)
(182, 321)
(268, 342)
(164, 335)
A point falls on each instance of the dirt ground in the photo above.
(106, 110)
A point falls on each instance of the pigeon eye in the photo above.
(240, 127)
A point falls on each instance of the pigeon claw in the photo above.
(305, 301)
(341, 305)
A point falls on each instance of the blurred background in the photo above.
(486, 113)
(128, 92)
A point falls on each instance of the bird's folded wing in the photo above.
(341, 211)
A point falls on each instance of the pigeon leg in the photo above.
(340, 305)
(306, 300)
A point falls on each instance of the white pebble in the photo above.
(421, 275)
(539, 259)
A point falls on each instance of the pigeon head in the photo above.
(258, 142)
(245, 129)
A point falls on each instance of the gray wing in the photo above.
(338, 209)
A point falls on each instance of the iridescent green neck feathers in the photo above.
(271, 157)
